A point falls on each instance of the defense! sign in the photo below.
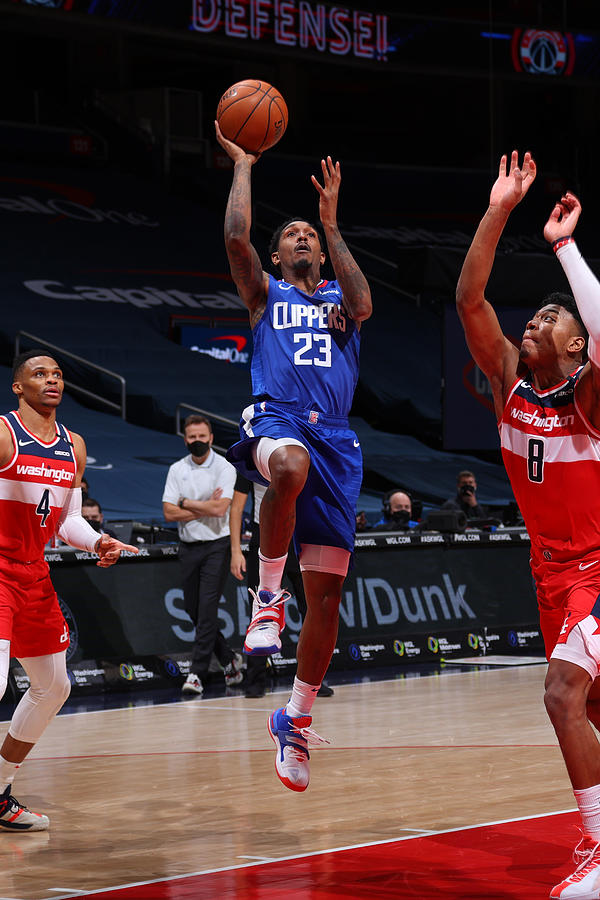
(289, 23)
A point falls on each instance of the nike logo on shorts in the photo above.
(584, 566)
(356, 444)
(24, 443)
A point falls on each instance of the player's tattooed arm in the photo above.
(357, 295)
(245, 265)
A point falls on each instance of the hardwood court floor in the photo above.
(147, 792)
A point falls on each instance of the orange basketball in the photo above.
(253, 115)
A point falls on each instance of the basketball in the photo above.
(253, 115)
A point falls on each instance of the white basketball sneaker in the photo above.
(15, 817)
(234, 672)
(584, 883)
(268, 620)
(192, 685)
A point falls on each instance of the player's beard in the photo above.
(302, 265)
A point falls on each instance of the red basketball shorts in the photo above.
(30, 617)
(568, 592)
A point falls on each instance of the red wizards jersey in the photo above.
(552, 456)
(34, 487)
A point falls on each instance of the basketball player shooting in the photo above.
(295, 435)
(546, 398)
(41, 466)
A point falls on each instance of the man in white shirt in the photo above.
(197, 496)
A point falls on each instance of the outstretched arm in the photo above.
(493, 353)
(357, 296)
(585, 286)
(586, 289)
(246, 269)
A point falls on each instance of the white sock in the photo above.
(270, 572)
(588, 801)
(8, 770)
(302, 699)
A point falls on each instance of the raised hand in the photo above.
(109, 550)
(563, 218)
(510, 187)
(328, 191)
(233, 150)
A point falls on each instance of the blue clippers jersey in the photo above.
(306, 349)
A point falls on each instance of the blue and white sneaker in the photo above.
(268, 620)
(291, 737)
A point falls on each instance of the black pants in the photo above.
(256, 673)
(204, 568)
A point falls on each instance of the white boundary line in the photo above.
(269, 862)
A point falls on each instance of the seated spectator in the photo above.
(85, 488)
(92, 512)
(466, 497)
(397, 512)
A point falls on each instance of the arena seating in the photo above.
(103, 266)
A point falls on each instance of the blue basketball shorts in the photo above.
(326, 506)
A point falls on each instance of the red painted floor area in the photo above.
(518, 860)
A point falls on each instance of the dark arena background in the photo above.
(112, 197)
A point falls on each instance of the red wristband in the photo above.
(562, 242)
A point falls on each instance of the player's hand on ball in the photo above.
(232, 150)
(563, 218)
(109, 550)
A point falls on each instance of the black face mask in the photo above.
(97, 526)
(401, 517)
(198, 448)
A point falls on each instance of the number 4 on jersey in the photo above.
(43, 508)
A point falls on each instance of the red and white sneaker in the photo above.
(268, 620)
(584, 883)
(15, 817)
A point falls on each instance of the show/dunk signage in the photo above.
(289, 23)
